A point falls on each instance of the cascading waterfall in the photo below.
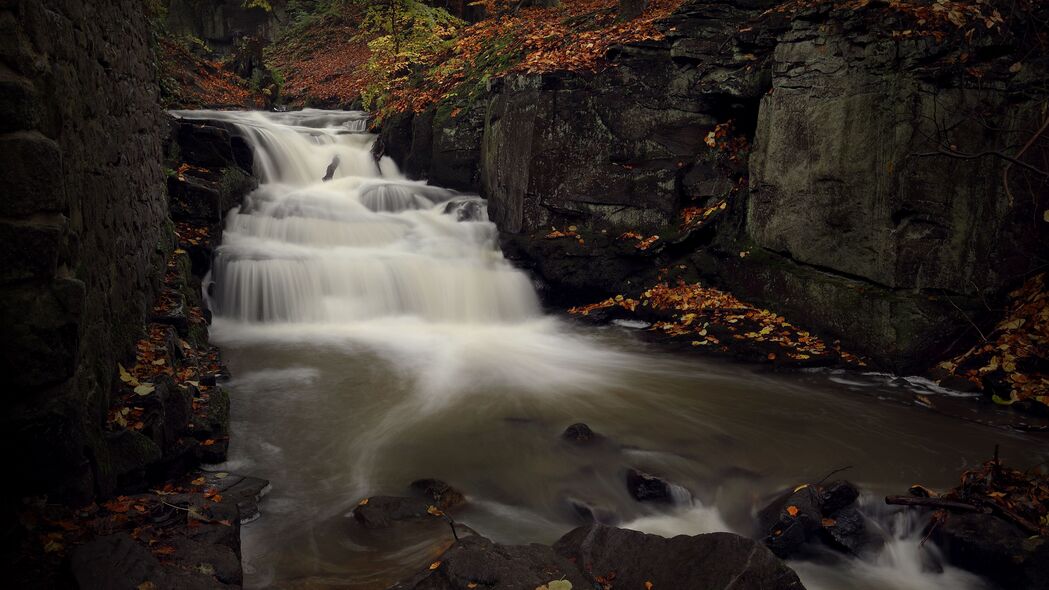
(365, 244)
(369, 264)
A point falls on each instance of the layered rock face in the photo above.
(854, 187)
(83, 225)
(861, 161)
(220, 24)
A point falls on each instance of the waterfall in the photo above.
(365, 244)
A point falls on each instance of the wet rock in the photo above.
(243, 491)
(645, 487)
(580, 433)
(716, 560)
(588, 513)
(810, 514)
(204, 145)
(440, 493)
(194, 199)
(384, 511)
(117, 562)
(243, 154)
(846, 530)
(992, 547)
(837, 495)
(476, 562)
(790, 521)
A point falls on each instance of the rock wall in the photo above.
(83, 226)
(825, 132)
(220, 23)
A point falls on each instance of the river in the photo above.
(377, 336)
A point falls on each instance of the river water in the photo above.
(377, 336)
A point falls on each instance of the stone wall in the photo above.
(83, 229)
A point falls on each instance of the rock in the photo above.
(118, 562)
(992, 547)
(204, 145)
(243, 154)
(580, 433)
(645, 487)
(846, 530)
(588, 513)
(194, 199)
(795, 519)
(837, 495)
(385, 511)
(476, 562)
(715, 560)
(243, 491)
(440, 493)
(791, 521)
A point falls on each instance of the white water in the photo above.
(383, 274)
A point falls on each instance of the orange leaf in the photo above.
(792, 510)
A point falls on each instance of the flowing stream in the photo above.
(377, 336)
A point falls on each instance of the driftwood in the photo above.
(931, 503)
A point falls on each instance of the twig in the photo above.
(838, 470)
(978, 330)
(930, 503)
(983, 154)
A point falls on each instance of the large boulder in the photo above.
(476, 562)
(992, 547)
(635, 560)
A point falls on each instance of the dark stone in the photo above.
(33, 174)
(476, 562)
(992, 547)
(243, 154)
(118, 562)
(39, 333)
(846, 530)
(837, 495)
(580, 433)
(385, 511)
(588, 513)
(30, 249)
(205, 145)
(795, 520)
(440, 493)
(645, 487)
(786, 533)
(194, 199)
(716, 560)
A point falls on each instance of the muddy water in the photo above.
(377, 337)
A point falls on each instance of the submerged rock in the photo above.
(440, 493)
(645, 487)
(580, 433)
(385, 511)
(715, 560)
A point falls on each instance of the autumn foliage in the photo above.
(1009, 363)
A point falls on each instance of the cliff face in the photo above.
(83, 226)
(845, 146)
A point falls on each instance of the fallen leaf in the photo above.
(435, 565)
(145, 389)
(363, 502)
(648, 585)
(792, 510)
